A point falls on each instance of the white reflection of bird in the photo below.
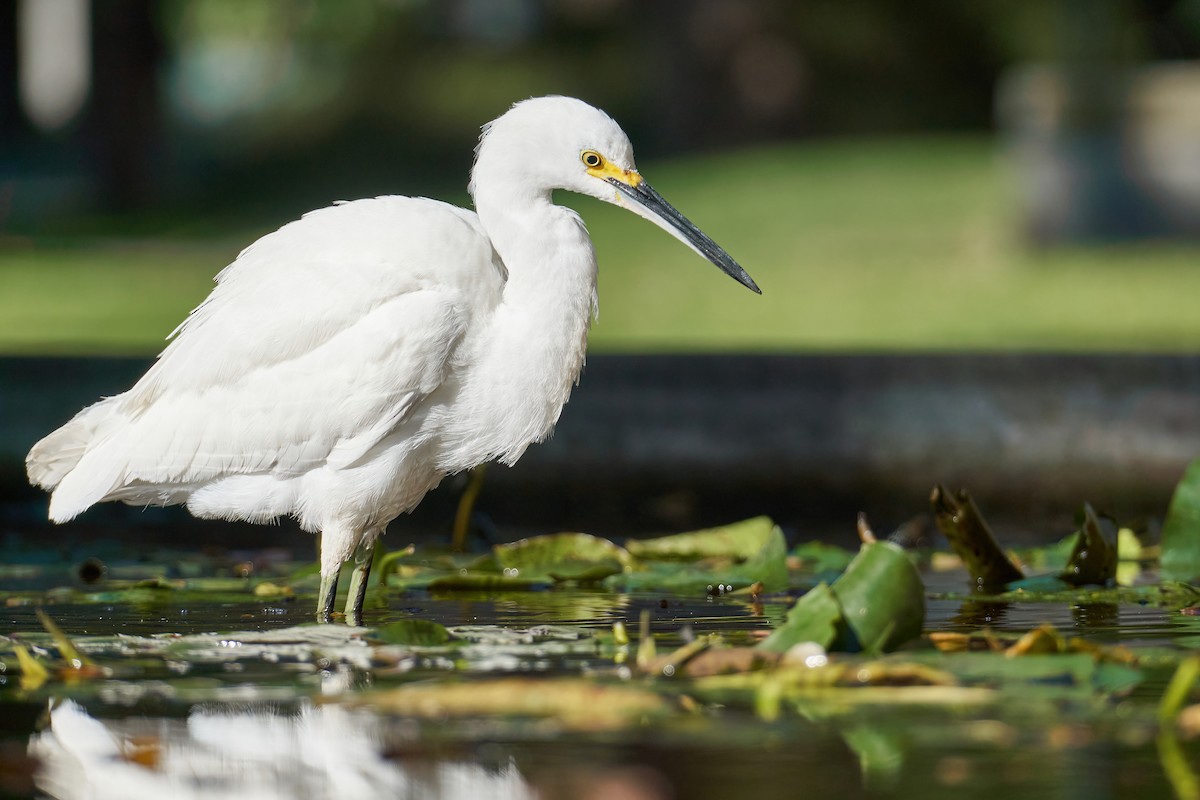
(244, 751)
(346, 363)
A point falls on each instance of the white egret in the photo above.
(347, 362)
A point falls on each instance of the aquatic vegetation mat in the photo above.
(693, 665)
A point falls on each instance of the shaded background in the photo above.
(965, 178)
(213, 109)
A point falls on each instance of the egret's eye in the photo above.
(591, 159)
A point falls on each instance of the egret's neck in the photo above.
(550, 261)
(539, 330)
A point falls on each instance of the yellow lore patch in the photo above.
(610, 170)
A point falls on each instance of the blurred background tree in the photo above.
(834, 142)
(251, 102)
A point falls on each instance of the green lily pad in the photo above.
(562, 556)
(735, 556)
(1059, 673)
(1181, 531)
(882, 598)
(815, 617)
(820, 557)
(485, 581)
(1168, 594)
(740, 540)
(877, 604)
(415, 632)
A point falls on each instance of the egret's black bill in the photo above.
(644, 195)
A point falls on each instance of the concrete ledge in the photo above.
(666, 442)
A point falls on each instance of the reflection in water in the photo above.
(1096, 616)
(980, 614)
(321, 751)
(529, 608)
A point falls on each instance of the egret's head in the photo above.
(549, 143)
(540, 145)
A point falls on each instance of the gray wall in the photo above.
(669, 442)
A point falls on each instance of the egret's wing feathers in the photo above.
(296, 288)
(353, 341)
(285, 418)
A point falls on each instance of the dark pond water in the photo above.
(223, 699)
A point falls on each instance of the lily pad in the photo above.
(740, 540)
(573, 702)
(820, 557)
(815, 617)
(415, 632)
(485, 581)
(877, 604)
(882, 599)
(738, 555)
(1181, 531)
(563, 556)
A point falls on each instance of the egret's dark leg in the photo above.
(364, 555)
(462, 519)
(326, 597)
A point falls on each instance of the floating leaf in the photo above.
(815, 617)
(955, 642)
(1056, 674)
(735, 556)
(724, 660)
(1181, 531)
(563, 556)
(1041, 584)
(486, 582)
(740, 540)
(1042, 639)
(269, 589)
(877, 604)
(819, 557)
(414, 632)
(575, 702)
(1168, 594)
(882, 599)
(798, 680)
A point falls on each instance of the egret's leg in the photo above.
(462, 519)
(364, 555)
(326, 597)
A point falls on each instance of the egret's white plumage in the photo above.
(348, 361)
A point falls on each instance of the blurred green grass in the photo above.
(879, 245)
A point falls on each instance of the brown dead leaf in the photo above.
(724, 660)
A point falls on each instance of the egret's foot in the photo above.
(326, 597)
(364, 556)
